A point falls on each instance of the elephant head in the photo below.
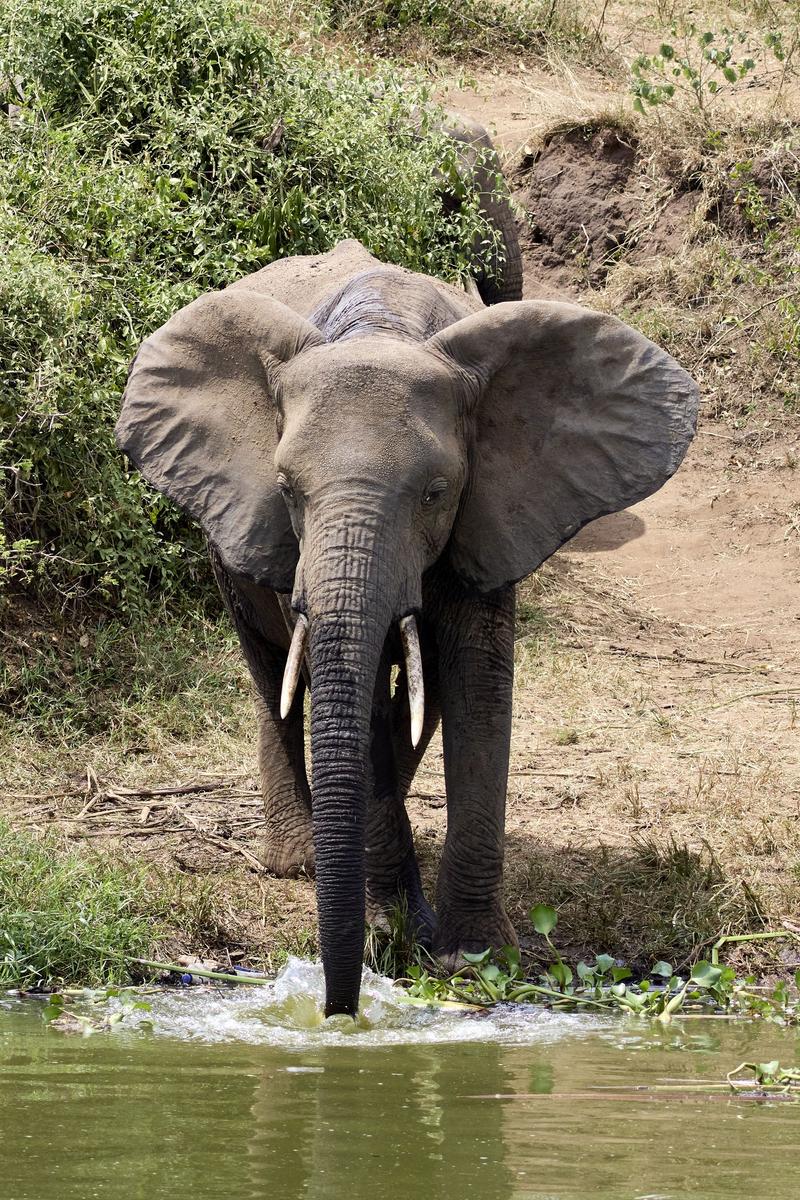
(340, 470)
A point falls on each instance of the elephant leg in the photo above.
(392, 871)
(475, 637)
(256, 613)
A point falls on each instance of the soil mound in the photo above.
(588, 204)
(575, 191)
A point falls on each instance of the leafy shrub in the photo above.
(155, 150)
(698, 66)
(461, 27)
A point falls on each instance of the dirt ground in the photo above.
(655, 777)
(654, 792)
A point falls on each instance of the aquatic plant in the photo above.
(606, 985)
(767, 1076)
(58, 1011)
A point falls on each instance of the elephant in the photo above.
(376, 459)
(497, 267)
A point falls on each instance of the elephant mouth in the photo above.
(412, 655)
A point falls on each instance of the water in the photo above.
(248, 1094)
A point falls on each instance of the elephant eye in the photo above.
(286, 489)
(433, 492)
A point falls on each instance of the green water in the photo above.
(234, 1095)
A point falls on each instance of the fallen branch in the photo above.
(677, 657)
(789, 691)
(184, 789)
(201, 973)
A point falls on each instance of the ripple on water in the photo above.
(288, 1012)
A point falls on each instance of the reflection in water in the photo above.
(326, 1133)
(224, 1102)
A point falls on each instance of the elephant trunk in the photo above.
(350, 611)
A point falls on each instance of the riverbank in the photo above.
(655, 781)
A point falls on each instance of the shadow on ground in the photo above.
(641, 903)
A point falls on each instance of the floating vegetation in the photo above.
(606, 985)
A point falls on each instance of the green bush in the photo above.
(462, 27)
(156, 149)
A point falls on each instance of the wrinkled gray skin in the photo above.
(497, 269)
(361, 443)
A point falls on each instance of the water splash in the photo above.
(289, 1012)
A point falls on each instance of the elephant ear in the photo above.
(199, 420)
(577, 416)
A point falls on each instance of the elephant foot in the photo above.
(289, 858)
(383, 910)
(466, 930)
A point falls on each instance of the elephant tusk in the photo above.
(294, 663)
(414, 680)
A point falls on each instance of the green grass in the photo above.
(176, 675)
(69, 916)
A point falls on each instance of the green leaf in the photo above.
(512, 956)
(561, 973)
(620, 973)
(603, 963)
(544, 919)
(662, 968)
(729, 74)
(705, 975)
(476, 960)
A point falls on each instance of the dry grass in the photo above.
(671, 812)
(653, 793)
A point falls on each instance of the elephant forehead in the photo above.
(376, 374)
(383, 404)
